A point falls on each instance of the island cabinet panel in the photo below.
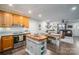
(7, 42)
(36, 47)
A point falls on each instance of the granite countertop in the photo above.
(6, 34)
(37, 37)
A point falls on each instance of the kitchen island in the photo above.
(54, 38)
(36, 44)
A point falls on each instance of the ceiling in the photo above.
(54, 12)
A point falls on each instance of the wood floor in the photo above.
(65, 48)
(52, 49)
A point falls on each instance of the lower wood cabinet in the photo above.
(0, 45)
(7, 42)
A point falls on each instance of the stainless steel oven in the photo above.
(68, 33)
(19, 40)
(16, 39)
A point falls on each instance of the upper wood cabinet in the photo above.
(9, 19)
(24, 21)
(5, 19)
(16, 19)
(21, 20)
(1, 19)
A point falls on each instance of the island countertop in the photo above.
(54, 35)
(37, 37)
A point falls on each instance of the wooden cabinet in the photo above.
(7, 42)
(21, 20)
(16, 19)
(1, 19)
(9, 19)
(24, 21)
(0, 45)
(5, 19)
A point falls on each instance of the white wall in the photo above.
(43, 26)
(75, 28)
(33, 26)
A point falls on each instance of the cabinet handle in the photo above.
(42, 48)
(42, 53)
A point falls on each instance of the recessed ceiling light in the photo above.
(29, 11)
(74, 8)
(40, 15)
(10, 4)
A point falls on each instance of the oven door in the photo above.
(69, 33)
(16, 38)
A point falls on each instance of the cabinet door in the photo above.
(8, 19)
(0, 45)
(7, 42)
(1, 19)
(21, 20)
(26, 22)
(16, 19)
